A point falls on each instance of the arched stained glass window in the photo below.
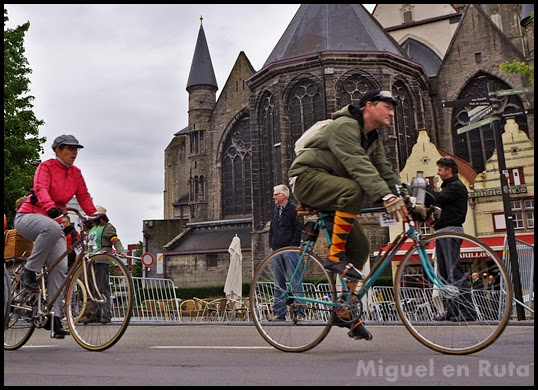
(353, 88)
(306, 107)
(404, 124)
(477, 145)
(237, 171)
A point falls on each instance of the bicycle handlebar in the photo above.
(84, 219)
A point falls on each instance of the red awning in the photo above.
(467, 250)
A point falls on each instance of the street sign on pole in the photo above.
(147, 259)
(476, 110)
(512, 114)
(509, 219)
(487, 121)
(479, 113)
(478, 101)
(514, 91)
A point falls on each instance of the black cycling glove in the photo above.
(54, 212)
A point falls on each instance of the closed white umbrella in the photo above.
(234, 280)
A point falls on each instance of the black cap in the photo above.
(377, 95)
(65, 139)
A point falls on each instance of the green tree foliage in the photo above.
(137, 264)
(517, 67)
(22, 144)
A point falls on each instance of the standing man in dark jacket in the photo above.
(285, 230)
(453, 201)
(476, 282)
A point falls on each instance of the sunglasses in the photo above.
(384, 95)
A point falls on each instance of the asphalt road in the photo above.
(220, 354)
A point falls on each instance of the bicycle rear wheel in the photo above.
(303, 324)
(99, 302)
(20, 325)
(452, 318)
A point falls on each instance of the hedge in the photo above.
(210, 292)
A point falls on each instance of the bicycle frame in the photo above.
(81, 258)
(381, 261)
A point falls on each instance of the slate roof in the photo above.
(202, 72)
(332, 27)
(526, 10)
(422, 54)
(211, 237)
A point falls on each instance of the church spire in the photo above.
(201, 72)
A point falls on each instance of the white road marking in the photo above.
(204, 347)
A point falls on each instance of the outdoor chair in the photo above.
(190, 308)
(236, 310)
(216, 309)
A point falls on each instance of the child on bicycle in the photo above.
(341, 164)
(56, 181)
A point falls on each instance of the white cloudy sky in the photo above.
(115, 77)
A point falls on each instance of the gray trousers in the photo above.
(49, 243)
(330, 193)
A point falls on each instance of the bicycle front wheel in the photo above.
(286, 300)
(435, 300)
(99, 302)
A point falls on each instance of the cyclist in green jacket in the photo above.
(341, 164)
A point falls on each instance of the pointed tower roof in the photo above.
(202, 72)
(526, 10)
(333, 27)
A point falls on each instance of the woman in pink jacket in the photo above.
(56, 181)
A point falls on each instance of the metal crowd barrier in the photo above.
(525, 255)
(156, 299)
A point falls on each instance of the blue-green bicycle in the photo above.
(315, 299)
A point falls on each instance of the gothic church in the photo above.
(221, 168)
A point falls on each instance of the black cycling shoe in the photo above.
(59, 331)
(29, 281)
(346, 270)
(446, 316)
(359, 332)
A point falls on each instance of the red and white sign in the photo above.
(147, 259)
(468, 251)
